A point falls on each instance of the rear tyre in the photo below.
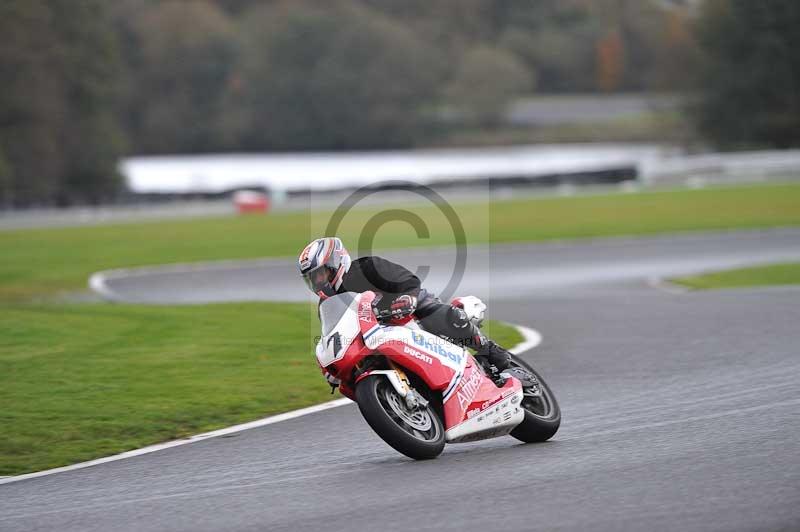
(418, 433)
(542, 413)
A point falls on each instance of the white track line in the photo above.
(191, 439)
(659, 283)
(97, 282)
(531, 339)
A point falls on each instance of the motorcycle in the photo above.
(418, 391)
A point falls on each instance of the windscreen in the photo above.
(332, 309)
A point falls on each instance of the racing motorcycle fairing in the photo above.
(471, 401)
(473, 406)
(438, 363)
(341, 345)
(478, 409)
(338, 316)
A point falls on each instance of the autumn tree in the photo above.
(610, 61)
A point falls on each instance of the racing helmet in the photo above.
(323, 264)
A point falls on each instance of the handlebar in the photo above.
(387, 313)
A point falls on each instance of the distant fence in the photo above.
(722, 167)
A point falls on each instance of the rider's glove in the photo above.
(333, 381)
(404, 305)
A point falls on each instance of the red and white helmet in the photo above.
(323, 264)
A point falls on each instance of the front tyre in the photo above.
(542, 413)
(417, 433)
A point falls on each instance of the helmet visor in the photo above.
(318, 279)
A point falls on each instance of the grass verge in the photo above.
(774, 274)
(88, 380)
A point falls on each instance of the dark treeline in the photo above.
(749, 73)
(60, 133)
(86, 81)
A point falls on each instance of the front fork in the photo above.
(399, 380)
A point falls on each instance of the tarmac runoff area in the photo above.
(679, 411)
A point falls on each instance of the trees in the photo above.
(29, 102)
(84, 80)
(749, 76)
(90, 136)
(57, 130)
(180, 58)
(485, 81)
(6, 183)
(333, 76)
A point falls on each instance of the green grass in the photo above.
(774, 274)
(40, 262)
(502, 333)
(82, 381)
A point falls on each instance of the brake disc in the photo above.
(418, 419)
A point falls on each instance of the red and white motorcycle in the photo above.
(417, 390)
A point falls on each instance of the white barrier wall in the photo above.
(321, 171)
(286, 172)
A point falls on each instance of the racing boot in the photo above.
(471, 336)
(500, 364)
(496, 355)
(499, 359)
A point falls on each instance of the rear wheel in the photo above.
(417, 433)
(542, 413)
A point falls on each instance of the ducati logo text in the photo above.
(416, 354)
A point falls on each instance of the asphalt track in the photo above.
(681, 411)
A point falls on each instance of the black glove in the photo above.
(403, 305)
(333, 381)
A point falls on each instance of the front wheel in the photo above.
(417, 433)
(542, 413)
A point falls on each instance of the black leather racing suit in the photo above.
(390, 280)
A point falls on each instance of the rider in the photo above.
(327, 269)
